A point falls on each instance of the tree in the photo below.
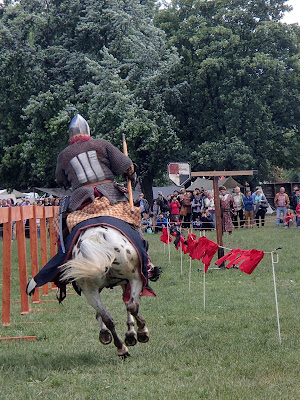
(105, 57)
(240, 106)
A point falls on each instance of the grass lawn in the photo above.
(229, 351)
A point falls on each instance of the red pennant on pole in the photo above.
(251, 262)
(165, 237)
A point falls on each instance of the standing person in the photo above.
(294, 198)
(239, 206)
(155, 211)
(26, 202)
(249, 208)
(162, 202)
(261, 205)
(210, 206)
(282, 202)
(298, 215)
(174, 207)
(143, 203)
(186, 210)
(227, 207)
(205, 195)
(197, 205)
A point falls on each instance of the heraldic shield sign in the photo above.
(179, 173)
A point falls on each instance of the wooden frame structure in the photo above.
(8, 215)
(216, 175)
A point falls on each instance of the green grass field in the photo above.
(229, 351)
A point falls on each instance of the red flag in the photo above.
(211, 249)
(184, 246)
(252, 261)
(198, 252)
(191, 242)
(232, 256)
(165, 237)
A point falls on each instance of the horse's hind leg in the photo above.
(94, 300)
(133, 308)
(130, 335)
(104, 334)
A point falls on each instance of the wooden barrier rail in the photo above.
(8, 215)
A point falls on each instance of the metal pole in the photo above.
(275, 293)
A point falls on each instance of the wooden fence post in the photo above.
(53, 241)
(22, 262)
(44, 249)
(34, 252)
(7, 235)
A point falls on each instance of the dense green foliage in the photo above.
(240, 106)
(106, 58)
(213, 82)
(230, 351)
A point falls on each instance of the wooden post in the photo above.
(34, 252)
(129, 186)
(22, 262)
(44, 250)
(7, 232)
(218, 217)
(53, 243)
(215, 175)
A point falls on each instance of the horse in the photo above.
(103, 257)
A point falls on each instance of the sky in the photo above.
(291, 17)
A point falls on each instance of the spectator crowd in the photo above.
(196, 209)
(27, 201)
(238, 210)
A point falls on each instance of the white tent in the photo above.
(207, 184)
(15, 194)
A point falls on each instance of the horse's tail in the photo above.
(93, 261)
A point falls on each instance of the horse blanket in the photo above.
(51, 271)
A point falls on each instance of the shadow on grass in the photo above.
(47, 361)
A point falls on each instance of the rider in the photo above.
(88, 166)
(89, 163)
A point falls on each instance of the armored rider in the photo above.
(88, 166)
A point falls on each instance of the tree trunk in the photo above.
(146, 185)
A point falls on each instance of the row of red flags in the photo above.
(204, 249)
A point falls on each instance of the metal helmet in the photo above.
(78, 126)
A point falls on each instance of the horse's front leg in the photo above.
(103, 315)
(133, 308)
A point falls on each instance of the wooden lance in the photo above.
(129, 185)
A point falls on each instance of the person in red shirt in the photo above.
(174, 207)
(289, 218)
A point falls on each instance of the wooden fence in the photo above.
(8, 215)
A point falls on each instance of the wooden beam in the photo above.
(224, 173)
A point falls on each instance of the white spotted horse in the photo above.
(103, 257)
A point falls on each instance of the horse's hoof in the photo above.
(130, 339)
(143, 336)
(123, 352)
(105, 336)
